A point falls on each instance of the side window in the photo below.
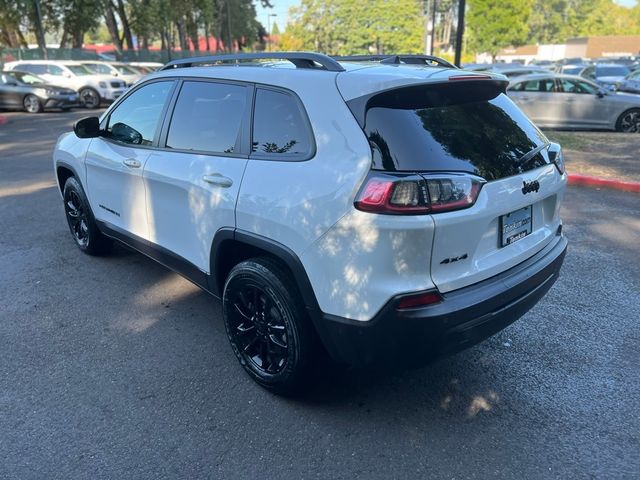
(576, 86)
(279, 127)
(136, 119)
(544, 85)
(518, 87)
(208, 117)
(589, 72)
(54, 70)
(32, 68)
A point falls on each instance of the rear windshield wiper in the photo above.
(527, 157)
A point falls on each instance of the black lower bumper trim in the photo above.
(464, 318)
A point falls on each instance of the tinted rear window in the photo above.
(451, 128)
(279, 128)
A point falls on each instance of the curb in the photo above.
(589, 181)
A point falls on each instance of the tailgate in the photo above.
(480, 242)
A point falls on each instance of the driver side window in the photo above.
(577, 86)
(136, 120)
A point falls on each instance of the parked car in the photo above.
(569, 101)
(115, 69)
(572, 69)
(519, 70)
(607, 75)
(546, 64)
(92, 88)
(25, 91)
(631, 83)
(390, 213)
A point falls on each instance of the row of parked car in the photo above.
(36, 85)
(575, 94)
(621, 74)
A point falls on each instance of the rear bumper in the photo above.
(464, 318)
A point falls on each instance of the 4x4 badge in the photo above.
(530, 186)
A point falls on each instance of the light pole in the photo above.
(269, 30)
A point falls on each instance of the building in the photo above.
(579, 47)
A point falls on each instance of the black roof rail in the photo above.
(398, 59)
(299, 59)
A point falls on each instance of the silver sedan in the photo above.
(567, 101)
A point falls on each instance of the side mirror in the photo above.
(126, 134)
(601, 93)
(66, 74)
(88, 127)
(11, 83)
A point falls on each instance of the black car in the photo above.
(26, 91)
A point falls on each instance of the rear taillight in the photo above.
(417, 194)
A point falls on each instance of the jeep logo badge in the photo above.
(530, 187)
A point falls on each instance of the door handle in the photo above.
(218, 180)
(132, 163)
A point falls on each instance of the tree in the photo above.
(350, 26)
(495, 24)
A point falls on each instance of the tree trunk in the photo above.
(126, 30)
(112, 26)
(78, 39)
(39, 29)
(206, 35)
(182, 37)
(229, 37)
(64, 39)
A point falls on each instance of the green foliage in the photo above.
(495, 24)
(346, 27)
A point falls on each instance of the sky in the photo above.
(281, 7)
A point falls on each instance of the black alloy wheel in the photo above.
(81, 222)
(267, 325)
(77, 218)
(258, 328)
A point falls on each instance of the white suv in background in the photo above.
(390, 213)
(121, 70)
(92, 88)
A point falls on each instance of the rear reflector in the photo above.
(421, 299)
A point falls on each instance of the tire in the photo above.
(81, 222)
(32, 104)
(267, 325)
(89, 98)
(629, 121)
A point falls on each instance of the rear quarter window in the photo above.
(281, 129)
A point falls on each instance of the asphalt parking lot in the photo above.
(115, 367)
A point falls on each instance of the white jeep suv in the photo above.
(390, 213)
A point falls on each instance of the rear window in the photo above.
(453, 128)
(613, 71)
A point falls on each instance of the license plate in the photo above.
(515, 225)
(73, 98)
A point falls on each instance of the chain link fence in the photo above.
(161, 56)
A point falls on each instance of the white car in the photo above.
(115, 69)
(92, 88)
(390, 213)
